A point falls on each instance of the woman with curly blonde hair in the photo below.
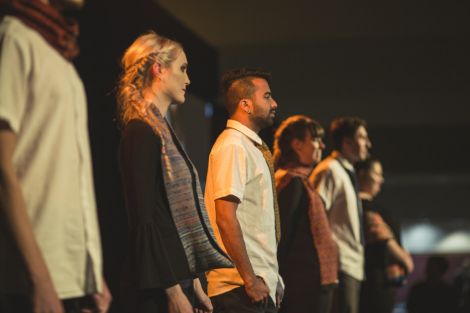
(170, 239)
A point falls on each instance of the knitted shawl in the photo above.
(185, 199)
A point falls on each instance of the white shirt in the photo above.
(334, 185)
(237, 167)
(43, 100)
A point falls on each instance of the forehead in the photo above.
(181, 58)
(376, 168)
(261, 85)
(361, 131)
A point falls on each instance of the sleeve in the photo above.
(324, 183)
(228, 169)
(158, 257)
(14, 80)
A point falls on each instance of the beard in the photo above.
(263, 122)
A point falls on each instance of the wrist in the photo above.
(173, 291)
(250, 281)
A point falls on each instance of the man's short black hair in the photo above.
(237, 84)
(344, 127)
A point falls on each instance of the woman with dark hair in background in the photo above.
(308, 256)
(170, 239)
(386, 262)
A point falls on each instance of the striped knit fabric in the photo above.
(186, 200)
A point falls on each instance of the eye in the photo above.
(267, 96)
(184, 68)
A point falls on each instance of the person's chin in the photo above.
(180, 100)
(67, 5)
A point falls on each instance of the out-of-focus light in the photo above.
(208, 110)
(421, 238)
(456, 242)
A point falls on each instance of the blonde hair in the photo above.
(146, 50)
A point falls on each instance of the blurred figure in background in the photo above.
(335, 181)
(386, 262)
(307, 253)
(433, 294)
(50, 250)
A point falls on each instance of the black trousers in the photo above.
(153, 300)
(23, 304)
(237, 301)
(347, 295)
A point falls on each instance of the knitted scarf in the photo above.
(325, 246)
(185, 199)
(59, 32)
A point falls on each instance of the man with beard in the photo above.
(241, 201)
(336, 183)
(49, 237)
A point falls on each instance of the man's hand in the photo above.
(279, 294)
(177, 300)
(205, 304)
(257, 291)
(102, 301)
(45, 299)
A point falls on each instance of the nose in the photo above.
(187, 82)
(369, 143)
(322, 144)
(274, 104)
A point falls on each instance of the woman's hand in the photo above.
(205, 304)
(177, 300)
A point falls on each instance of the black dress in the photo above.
(377, 292)
(155, 258)
(298, 261)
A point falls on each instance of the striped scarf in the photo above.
(185, 199)
(60, 32)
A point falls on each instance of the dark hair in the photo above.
(365, 165)
(344, 127)
(237, 84)
(294, 127)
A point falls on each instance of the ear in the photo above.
(296, 144)
(156, 69)
(346, 143)
(246, 105)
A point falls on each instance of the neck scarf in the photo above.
(325, 246)
(269, 160)
(186, 200)
(59, 32)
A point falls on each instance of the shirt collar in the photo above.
(245, 131)
(338, 156)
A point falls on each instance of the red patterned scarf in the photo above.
(327, 250)
(59, 32)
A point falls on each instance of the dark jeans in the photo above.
(23, 304)
(348, 294)
(237, 301)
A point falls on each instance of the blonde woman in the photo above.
(170, 239)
